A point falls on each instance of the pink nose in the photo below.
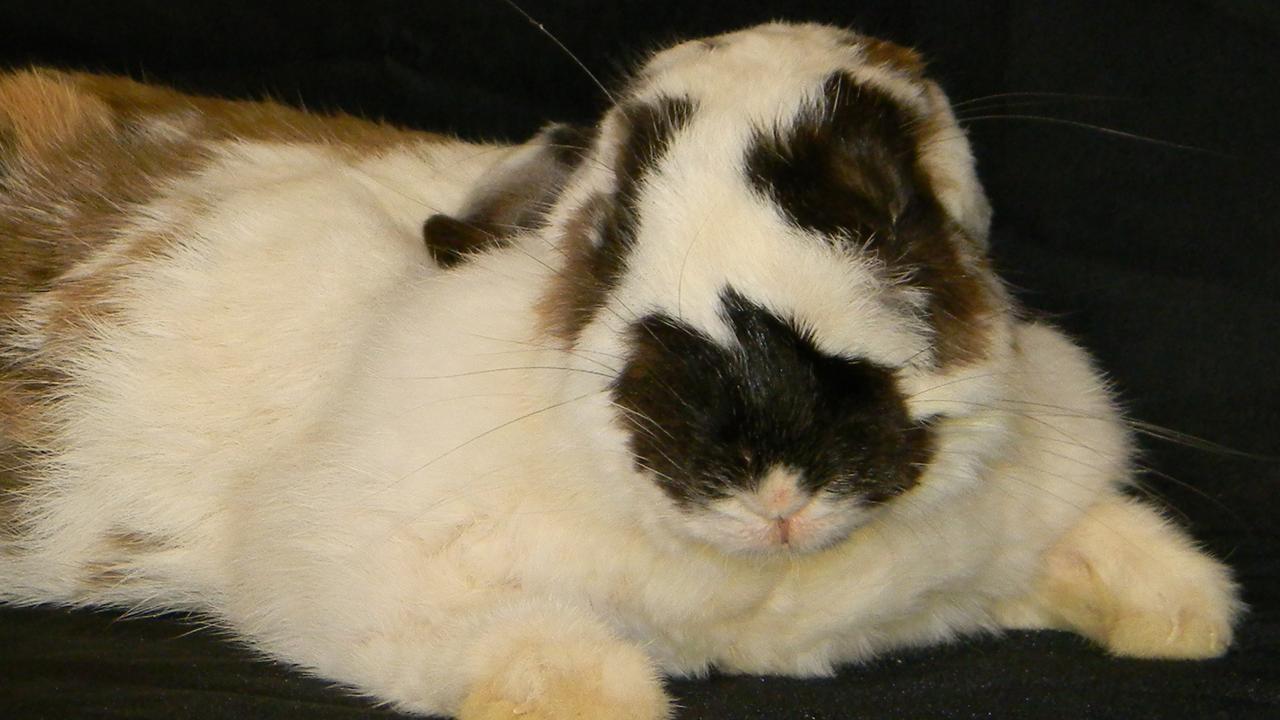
(779, 495)
(779, 500)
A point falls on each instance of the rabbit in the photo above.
(725, 381)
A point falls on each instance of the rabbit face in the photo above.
(778, 235)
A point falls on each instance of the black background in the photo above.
(1163, 261)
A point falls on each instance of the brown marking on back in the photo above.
(8, 143)
(81, 150)
(221, 119)
(117, 557)
(125, 542)
(43, 119)
(78, 154)
(98, 577)
(38, 112)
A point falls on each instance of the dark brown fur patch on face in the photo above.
(708, 420)
(849, 169)
(600, 234)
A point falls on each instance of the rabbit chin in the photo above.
(731, 527)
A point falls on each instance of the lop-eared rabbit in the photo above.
(725, 381)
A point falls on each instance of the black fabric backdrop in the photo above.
(1164, 261)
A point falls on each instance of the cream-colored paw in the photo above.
(1136, 585)
(1187, 633)
(570, 681)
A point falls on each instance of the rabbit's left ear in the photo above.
(513, 196)
(946, 153)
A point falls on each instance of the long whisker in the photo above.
(1104, 130)
(1041, 97)
(684, 265)
(470, 373)
(490, 431)
(642, 417)
(1198, 443)
(1026, 482)
(583, 353)
(543, 29)
(1158, 432)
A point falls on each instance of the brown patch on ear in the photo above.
(512, 197)
(883, 52)
(960, 286)
(579, 288)
(851, 170)
(598, 237)
(450, 240)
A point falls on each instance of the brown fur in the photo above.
(77, 153)
(234, 119)
(883, 52)
(961, 301)
(513, 202)
(966, 291)
(111, 569)
(40, 112)
(590, 271)
(576, 294)
(82, 141)
(854, 170)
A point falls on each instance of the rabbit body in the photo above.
(235, 382)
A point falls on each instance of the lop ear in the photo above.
(972, 212)
(511, 197)
(949, 158)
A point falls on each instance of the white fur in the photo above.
(383, 473)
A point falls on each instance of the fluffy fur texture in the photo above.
(733, 386)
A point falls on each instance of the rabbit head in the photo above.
(776, 241)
